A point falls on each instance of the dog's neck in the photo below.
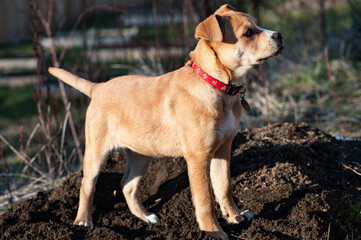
(206, 58)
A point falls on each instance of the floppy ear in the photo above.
(209, 30)
(224, 8)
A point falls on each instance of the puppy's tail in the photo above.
(81, 84)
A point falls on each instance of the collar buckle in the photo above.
(233, 90)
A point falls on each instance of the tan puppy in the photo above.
(176, 114)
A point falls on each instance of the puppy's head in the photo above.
(237, 40)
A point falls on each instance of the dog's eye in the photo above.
(248, 33)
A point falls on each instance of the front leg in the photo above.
(200, 184)
(222, 187)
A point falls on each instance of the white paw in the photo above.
(247, 214)
(152, 219)
(241, 217)
(86, 224)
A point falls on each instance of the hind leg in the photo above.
(137, 166)
(95, 153)
(93, 161)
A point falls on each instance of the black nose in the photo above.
(277, 36)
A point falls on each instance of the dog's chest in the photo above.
(228, 124)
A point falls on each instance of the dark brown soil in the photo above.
(291, 176)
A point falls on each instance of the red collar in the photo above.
(229, 89)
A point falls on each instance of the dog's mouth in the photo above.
(278, 52)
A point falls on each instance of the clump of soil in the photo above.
(292, 177)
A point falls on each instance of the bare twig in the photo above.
(64, 127)
(56, 63)
(343, 131)
(7, 178)
(50, 11)
(48, 148)
(22, 149)
(79, 19)
(317, 121)
(350, 168)
(24, 158)
(31, 136)
(30, 162)
(35, 185)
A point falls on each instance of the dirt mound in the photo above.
(291, 176)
